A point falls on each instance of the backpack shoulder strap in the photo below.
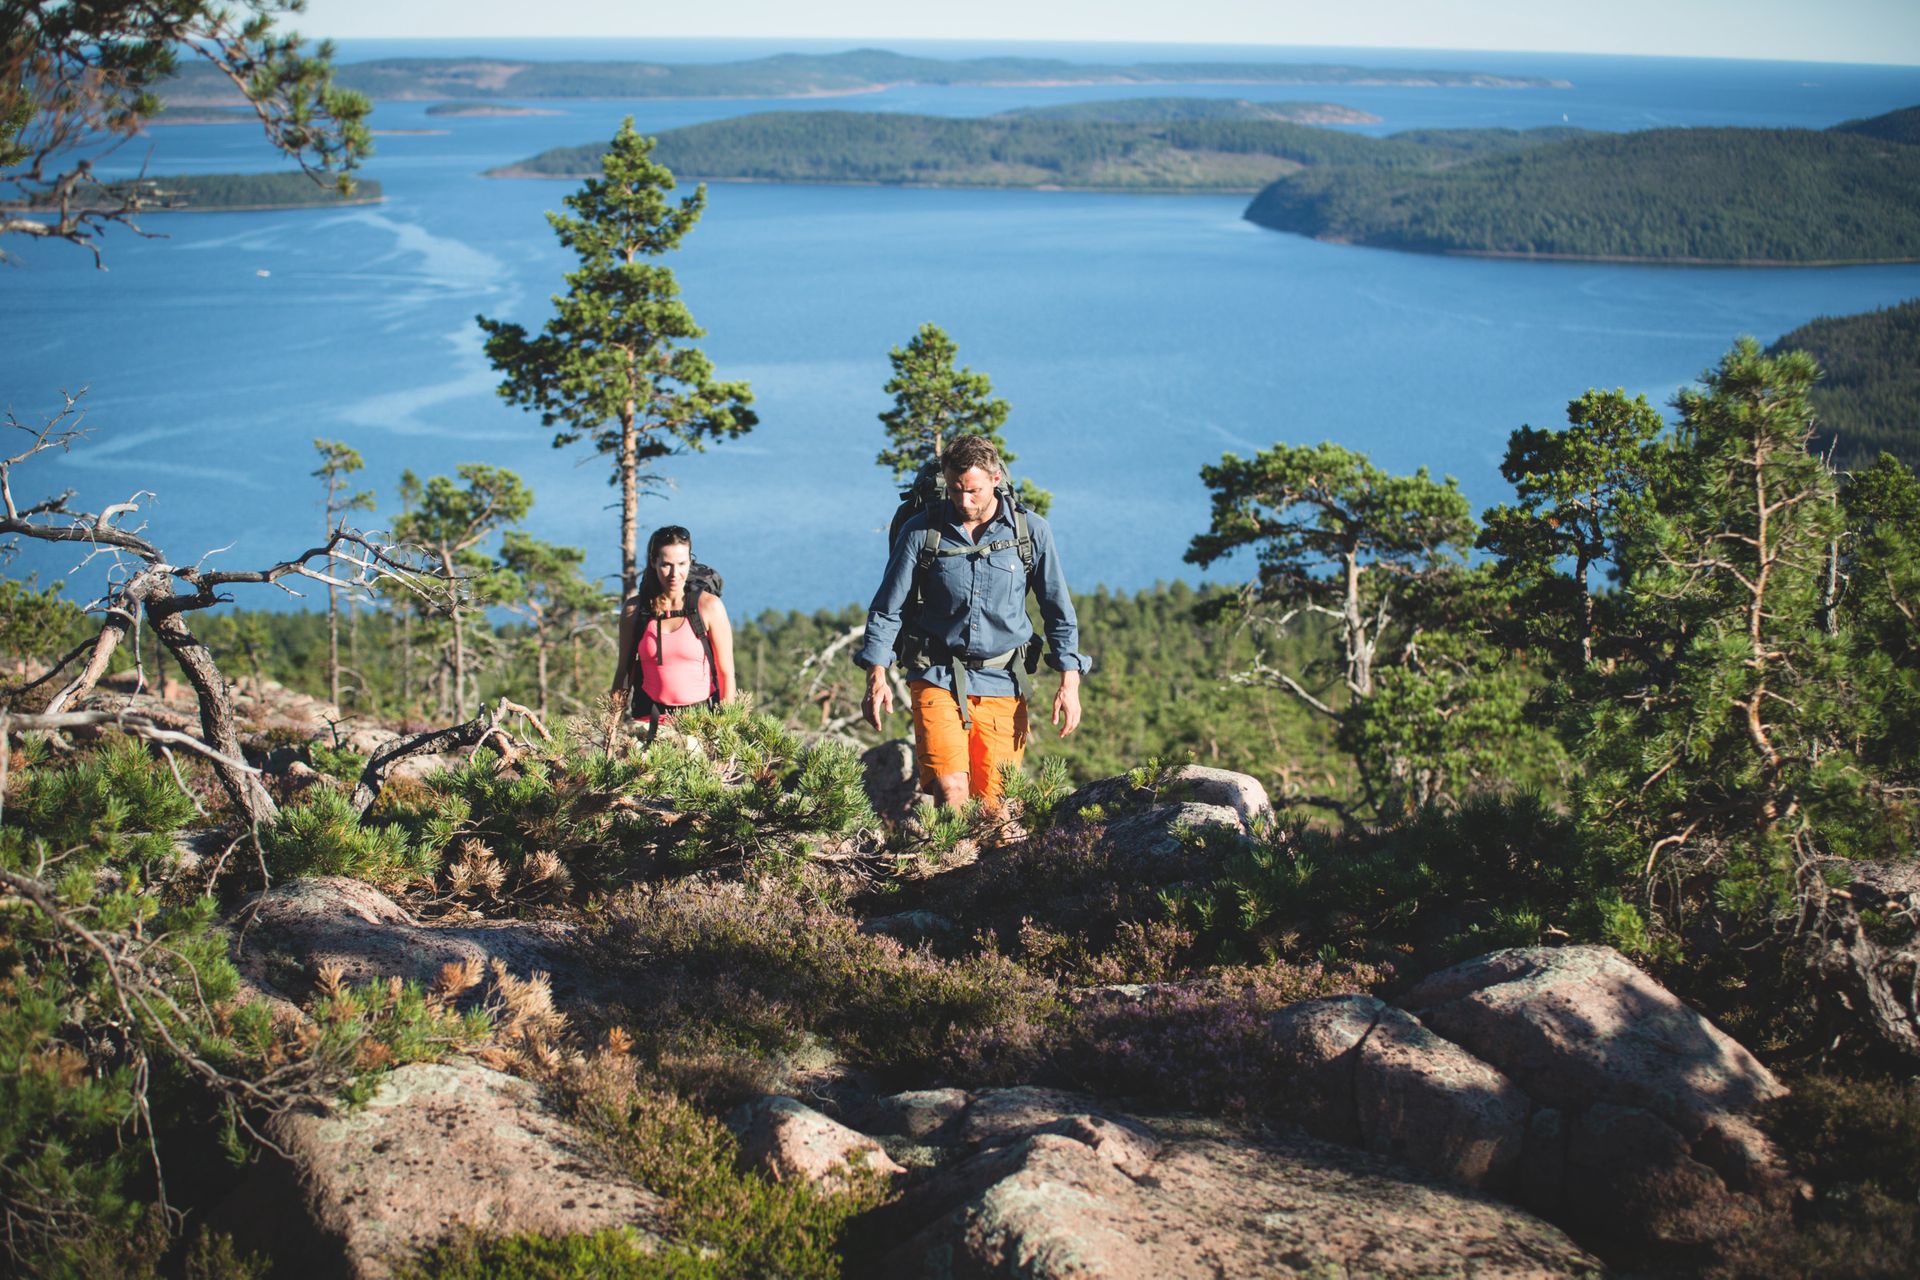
(929, 549)
(1023, 538)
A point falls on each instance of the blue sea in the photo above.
(1136, 337)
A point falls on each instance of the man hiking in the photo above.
(952, 611)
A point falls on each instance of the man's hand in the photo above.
(1066, 703)
(879, 700)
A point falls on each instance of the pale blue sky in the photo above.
(1885, 31)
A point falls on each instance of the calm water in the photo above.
(1137, 337)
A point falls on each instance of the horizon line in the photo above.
(854, 43)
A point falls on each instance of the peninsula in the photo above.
(1695, 196)
(794, 75)
(1141, 145)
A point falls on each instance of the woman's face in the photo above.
(671, 564)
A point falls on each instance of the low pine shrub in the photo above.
(323, 836)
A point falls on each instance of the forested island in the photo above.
(1755, 196)
(1162, 151)
(230, 192)
(1869, 396)
(487, 109)
(1158, 110)
(795, 75)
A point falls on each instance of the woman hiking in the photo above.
(676, 644)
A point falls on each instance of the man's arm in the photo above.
(1062, 628)
(876, 651)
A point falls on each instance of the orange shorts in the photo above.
(943, 746)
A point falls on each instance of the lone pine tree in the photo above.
(614, 364)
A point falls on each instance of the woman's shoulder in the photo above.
(711, 606)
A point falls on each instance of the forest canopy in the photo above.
(1222, 154)
(1869, 395)
(1679, 195)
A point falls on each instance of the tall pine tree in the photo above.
(614, 364)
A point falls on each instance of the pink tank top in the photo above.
(673, 663)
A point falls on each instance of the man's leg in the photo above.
(939, 744)
(999, 739)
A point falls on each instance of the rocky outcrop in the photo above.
(1148, 831)
(1051, 1185)
(1566, 1078)
(790, 1141)
(1654, 1101)
(892, 779)
(439, 1148)
(1236, 791)
(286, 934)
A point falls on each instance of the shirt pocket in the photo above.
(1003, 580)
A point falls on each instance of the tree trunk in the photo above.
(112, 632)
(333, 645)
(152, 590)
(540, 663)
(459, 634)
(629, 500)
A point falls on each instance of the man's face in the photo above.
(972, 493)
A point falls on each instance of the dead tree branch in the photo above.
(469, 735)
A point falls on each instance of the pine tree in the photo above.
(933, 403)
(1718, 755)
(337, 462)
(1417, 697)
(553, 597)
(614, 364)
(450, 521)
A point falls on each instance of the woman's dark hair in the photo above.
(669, 535)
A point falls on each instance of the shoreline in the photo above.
(1616, 259)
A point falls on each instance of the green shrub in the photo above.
(615, 1252)
(81, 1043)
(1858, 1143)
(1497, 872)
(736, 1223)
(323, 836)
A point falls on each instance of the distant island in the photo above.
(1163, 151)
(1869, 401)
(487, 109)
(229, 192)
(1160, 110)
(1709, 196)
(794, 75)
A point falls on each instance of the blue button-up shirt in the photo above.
(976, 605)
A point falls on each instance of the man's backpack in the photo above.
(700, 578)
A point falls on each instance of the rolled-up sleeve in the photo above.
(1057, 617)
(883, 615)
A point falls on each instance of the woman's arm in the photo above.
(719, 630)
(627, 643)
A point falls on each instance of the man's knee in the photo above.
(950, 789)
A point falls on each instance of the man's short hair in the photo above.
(968, 452)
